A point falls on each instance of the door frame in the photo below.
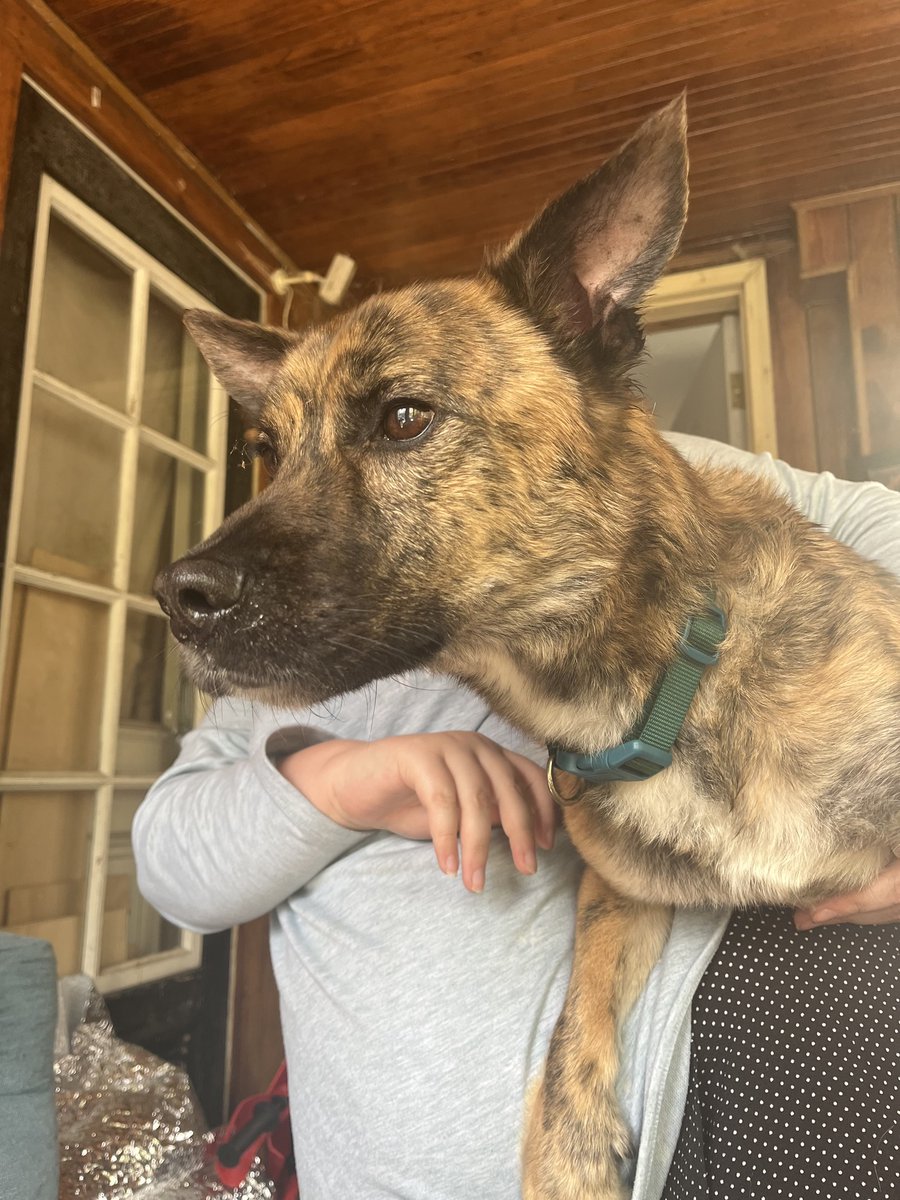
(739, 288)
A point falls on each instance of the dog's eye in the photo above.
(269, 457)
(259, 446)
(404, 421)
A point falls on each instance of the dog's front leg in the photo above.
(575, 1138)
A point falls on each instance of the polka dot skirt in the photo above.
(794, 1086)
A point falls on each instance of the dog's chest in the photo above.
(718, 827)
(667, 841)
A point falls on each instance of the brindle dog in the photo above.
(465, 478)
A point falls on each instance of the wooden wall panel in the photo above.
(824, 238)
(853, 327)
(831, 367)
(875, 316)
(791, 372)
(256, 1048)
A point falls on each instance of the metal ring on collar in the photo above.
(557, 795)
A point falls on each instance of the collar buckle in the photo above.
(630, 762)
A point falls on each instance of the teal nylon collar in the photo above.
(648, 749)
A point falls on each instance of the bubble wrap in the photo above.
(129, 1123)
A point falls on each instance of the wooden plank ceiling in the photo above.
(410, 132)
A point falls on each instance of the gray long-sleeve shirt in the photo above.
(415, 1014)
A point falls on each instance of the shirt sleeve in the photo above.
(865, 516)
(222, 837)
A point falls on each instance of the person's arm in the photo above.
(243, 819)
(865, 516)
(452, 787)
(222, 837)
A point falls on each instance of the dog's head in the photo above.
(436, 451)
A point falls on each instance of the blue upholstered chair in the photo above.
(28, 1005)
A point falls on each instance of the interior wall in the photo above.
(705, 408)
(668, 374)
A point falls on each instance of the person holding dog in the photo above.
(417, 1012)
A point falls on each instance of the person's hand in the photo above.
(877, 904)
(449, 787)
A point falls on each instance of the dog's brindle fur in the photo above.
(541, 542)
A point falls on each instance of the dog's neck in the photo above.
(574, 663)
(581, 693)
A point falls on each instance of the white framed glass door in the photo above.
(119, 469)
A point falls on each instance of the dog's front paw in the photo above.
(574, 1152)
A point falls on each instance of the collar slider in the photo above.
(648, 749)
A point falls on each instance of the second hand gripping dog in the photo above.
(465, 478)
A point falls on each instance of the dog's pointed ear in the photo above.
(243, 356)
(603, 244)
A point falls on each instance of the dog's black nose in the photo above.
(195, 592)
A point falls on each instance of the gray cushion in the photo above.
(28, 1148)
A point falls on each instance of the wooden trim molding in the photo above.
(834, 199)
(10, 84)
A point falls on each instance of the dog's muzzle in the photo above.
(196, 594)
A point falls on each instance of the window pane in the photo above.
(55, 670)
(85, 315)
(176, 381)
(44, 849)
(168, 515)
(132, 929)
(71, 492)
(157, 701)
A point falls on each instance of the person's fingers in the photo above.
(478, 814)
(867, 906)
(883, 916)
(518, 797)
(434, 785)
(517, 810)
(465, 787)
(534, 779)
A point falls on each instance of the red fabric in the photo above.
(274, 1147)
